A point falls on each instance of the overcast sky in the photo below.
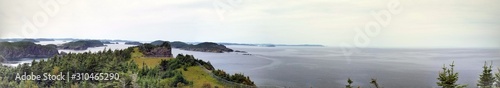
(421, 23)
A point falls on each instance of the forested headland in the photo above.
(81, 44)
(24, 49)
(136, 66)
(202, 47)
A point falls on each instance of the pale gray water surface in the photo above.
(327, 67)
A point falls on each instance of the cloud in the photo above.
(423, 23)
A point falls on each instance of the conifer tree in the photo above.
(486, 79)
(448, 78)
(350, 82)
(374, 82)
(497, 75)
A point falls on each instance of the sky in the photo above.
(414, 23)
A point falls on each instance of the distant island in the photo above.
(202, 47)
(81, 44)
(272, 45)
(23, 49)
(158, 42)
(29, 40)
(133, 43)
(26, 39)
(108, 42)
(178, 44)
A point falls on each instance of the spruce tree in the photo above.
(374, 83)
(497, 75)
(350, 82)
(448, 77)
(486, 79)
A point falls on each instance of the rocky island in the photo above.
(81, 44)
(23, 49)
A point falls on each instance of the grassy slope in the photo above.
(195, 74)
(200, 77)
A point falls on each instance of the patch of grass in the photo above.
(200, 77)
(149, 61)
(140, 60)
(196, 74)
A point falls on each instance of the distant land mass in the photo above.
(64, 39)
(133, 43)
(271, 45)
(108, 42)
(178, 44)
(202, 47)
(26, 39)
(81, 44)
(158, 42)
(23, 49)
(30, 40)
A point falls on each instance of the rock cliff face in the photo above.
(16, 50)
(160, 52)
(207, 47)
(81, 44)
(163, 50)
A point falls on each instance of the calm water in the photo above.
(301, 67)
(327, 67)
